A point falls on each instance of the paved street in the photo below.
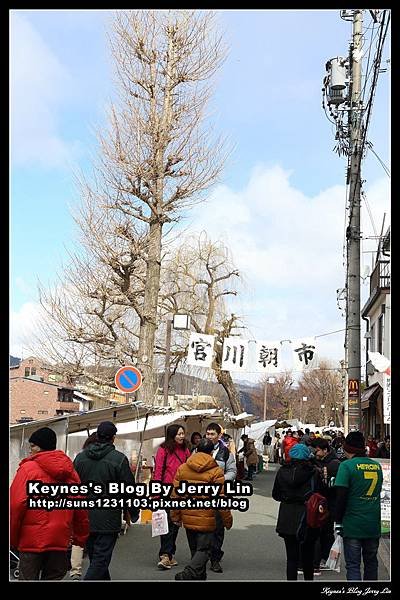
(253, 550)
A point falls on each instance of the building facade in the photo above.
(376, 314)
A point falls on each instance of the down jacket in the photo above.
(200, 468)
(40, 530)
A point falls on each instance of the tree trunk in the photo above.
(225, 379)
(148, 323)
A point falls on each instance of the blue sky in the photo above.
(280, 203)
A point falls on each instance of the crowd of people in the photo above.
(342, 471)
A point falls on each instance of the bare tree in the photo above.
(200, 277)
(155, 158)
(323, 388)
(280, 397)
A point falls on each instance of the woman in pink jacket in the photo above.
(170, 456)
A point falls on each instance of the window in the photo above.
(381, 324)
(45, 392)
(43, 412)
(22, 412)
(33, 371)
(373, 338)
(27, 371)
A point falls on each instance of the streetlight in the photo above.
(269, 380)
(181, 322)
(304, 399)
(323, 416)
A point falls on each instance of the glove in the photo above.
(338, 529)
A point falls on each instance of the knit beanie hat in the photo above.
(354, 443)
(45, 438)
(300, 452)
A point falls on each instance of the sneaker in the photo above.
(173, 562)
(216, 566)
(299, 571)
(164, 562)
(317, 572)
(75, 577)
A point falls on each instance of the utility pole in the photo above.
(355, 116)
(346, 73)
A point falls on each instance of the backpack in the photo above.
(316, 508)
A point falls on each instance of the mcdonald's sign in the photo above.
(353, 388)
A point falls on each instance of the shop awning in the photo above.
(370, 393)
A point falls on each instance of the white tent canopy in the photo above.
(257, 432)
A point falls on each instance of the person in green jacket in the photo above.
(102, 463)
(358, 486)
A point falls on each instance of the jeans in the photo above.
(100, 547)
(352, 553)
(168, 541)
(217, 539)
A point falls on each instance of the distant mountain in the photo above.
(14, 361)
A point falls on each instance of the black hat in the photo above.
(106, 430)
(354, 442)
(45, 438)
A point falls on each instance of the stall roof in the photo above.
(91, 418)
(127, 413)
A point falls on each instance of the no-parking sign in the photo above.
(128, 379)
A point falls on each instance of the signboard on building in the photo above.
(385, 495)
(386, 398)
(353, 388)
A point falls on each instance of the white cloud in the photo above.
(22, 327)
(39, 84)
(290, 248)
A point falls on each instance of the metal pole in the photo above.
(353, 230)
(265, 401)
(167, 360)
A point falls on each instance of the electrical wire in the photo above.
(385, 168)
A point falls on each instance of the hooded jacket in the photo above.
(41, 530)
(102, 463)
(291, 488)
(200, 468)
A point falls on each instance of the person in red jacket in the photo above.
(172, 453)
(42, 536)
(288, 442)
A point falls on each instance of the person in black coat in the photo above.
(102, 463)
(327, 462)
(292, 486)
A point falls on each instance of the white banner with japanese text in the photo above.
(235, 354)
(200, 350)
(304, 354)
(268, 357)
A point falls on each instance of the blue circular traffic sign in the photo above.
(128, 379)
